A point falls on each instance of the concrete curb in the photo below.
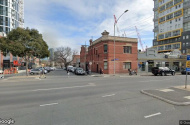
(18, 77)
(166, 100)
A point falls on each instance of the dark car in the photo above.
(163, 71)
(80, 71)
(183, 72)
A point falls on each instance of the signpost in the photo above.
(187, 69)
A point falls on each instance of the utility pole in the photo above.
(85, 58)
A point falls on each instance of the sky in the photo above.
(74, 22)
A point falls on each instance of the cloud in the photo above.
(71, 23)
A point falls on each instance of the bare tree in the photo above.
(64, 55)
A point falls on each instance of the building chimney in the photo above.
(90, 42)
(105, 33)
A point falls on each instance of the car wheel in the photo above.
(163, 74)
(173, 73)
(155, 74)
(32, 73)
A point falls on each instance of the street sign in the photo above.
(187, 64)
(113, 59)
(90, 63)
(188, 57)
(187, 69)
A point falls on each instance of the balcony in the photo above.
(186, 19)
(186, 4)
(155, 29)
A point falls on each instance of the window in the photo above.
(183, 51)
(105, 48)
(106, 65)
(183, 44)
(183, 37)
(178, 25)
(127, 65)
(127, 49)
(187, 37)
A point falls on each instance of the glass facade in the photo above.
(11, 15)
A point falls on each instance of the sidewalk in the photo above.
(177, 95)
(111, 75)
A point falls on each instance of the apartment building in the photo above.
(11, 17)
(171, 25)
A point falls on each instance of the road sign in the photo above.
(113, 59)
(188, 57)
(187, 64)
(187, 69)
(90, 63)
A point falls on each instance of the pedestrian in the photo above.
(129, 70)
(68, 73)
(100, 70)
(42, 73)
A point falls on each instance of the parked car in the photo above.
(35, 71)
(80, 71)
(45, 71)
(183, 72)
(48, 69)
(73, 69)
(52, 68)
(163, 71)
(69, 68)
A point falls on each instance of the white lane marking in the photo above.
(148, 116)
(154, 80)
(166, 90)
(49, 104)
(90, 84)
(108, 95)
(187, 97)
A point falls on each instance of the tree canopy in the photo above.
(25, 43)
(64, 55)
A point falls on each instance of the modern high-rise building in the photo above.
(171, 25)
(11, 15)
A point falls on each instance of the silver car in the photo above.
(35, 71)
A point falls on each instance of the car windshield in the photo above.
(79, 69)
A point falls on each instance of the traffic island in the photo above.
(173, 95)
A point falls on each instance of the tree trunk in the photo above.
(26, 59)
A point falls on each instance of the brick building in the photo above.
(100, 54)
(76, 60)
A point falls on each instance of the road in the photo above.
(87, 100)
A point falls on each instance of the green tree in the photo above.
(26, 43)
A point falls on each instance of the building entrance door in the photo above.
(150, 65)
(97, 69)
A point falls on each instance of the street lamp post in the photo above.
(114, 36)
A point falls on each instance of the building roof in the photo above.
(105, 37)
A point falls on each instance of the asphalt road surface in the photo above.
(87, 100)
